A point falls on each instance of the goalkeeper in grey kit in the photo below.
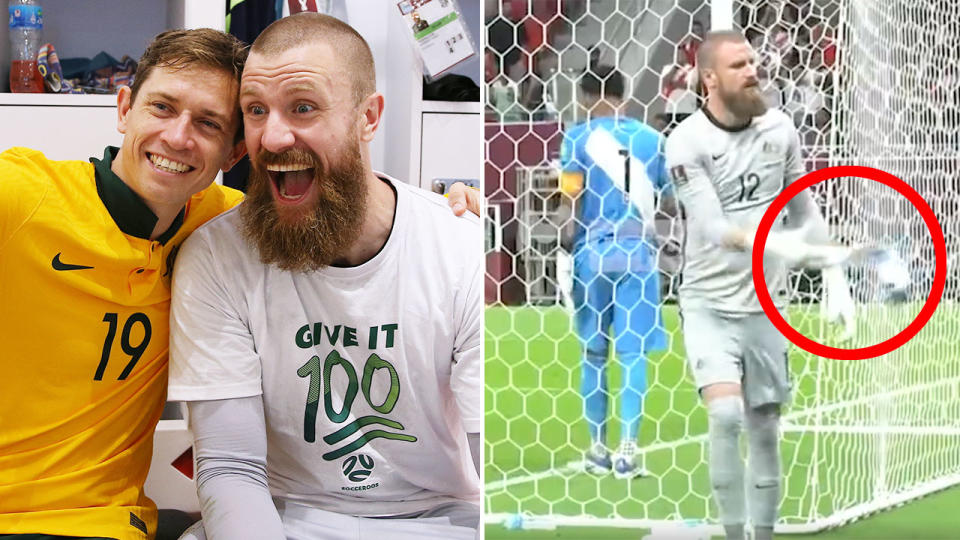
(729, 161)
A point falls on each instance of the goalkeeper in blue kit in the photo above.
(613, 170)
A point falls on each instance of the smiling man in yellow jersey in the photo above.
(86, 256)
(86, 253)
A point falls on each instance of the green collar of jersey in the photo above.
(126, 208)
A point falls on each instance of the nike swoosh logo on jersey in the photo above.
(718, 156)
(57, 265)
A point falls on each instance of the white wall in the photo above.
(398, 79)
(396, 149)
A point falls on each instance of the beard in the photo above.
(306, 239)
(744, 103)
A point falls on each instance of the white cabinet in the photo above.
(413, 143)
(60, 126)
(450, 143)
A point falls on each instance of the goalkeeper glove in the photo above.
(837, 304)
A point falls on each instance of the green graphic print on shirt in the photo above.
(320, 372)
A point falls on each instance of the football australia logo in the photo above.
(357, 468)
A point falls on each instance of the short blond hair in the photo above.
(307, 27)
(707, 53)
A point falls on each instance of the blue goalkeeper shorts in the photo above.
(615, 301)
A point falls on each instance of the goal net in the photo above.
(868, 83)
(886, 430)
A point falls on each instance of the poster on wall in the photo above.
(441, 38)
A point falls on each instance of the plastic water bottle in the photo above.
(527, 522)
(26, 22)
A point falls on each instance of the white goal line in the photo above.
(788, 424)
(684, 528)
(946, 431)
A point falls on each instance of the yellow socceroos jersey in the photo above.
(84, 307)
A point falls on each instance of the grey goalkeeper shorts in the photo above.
(742, 349)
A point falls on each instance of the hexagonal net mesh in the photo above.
(874, 84)
(866, 83)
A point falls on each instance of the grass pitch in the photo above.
(855, 431)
